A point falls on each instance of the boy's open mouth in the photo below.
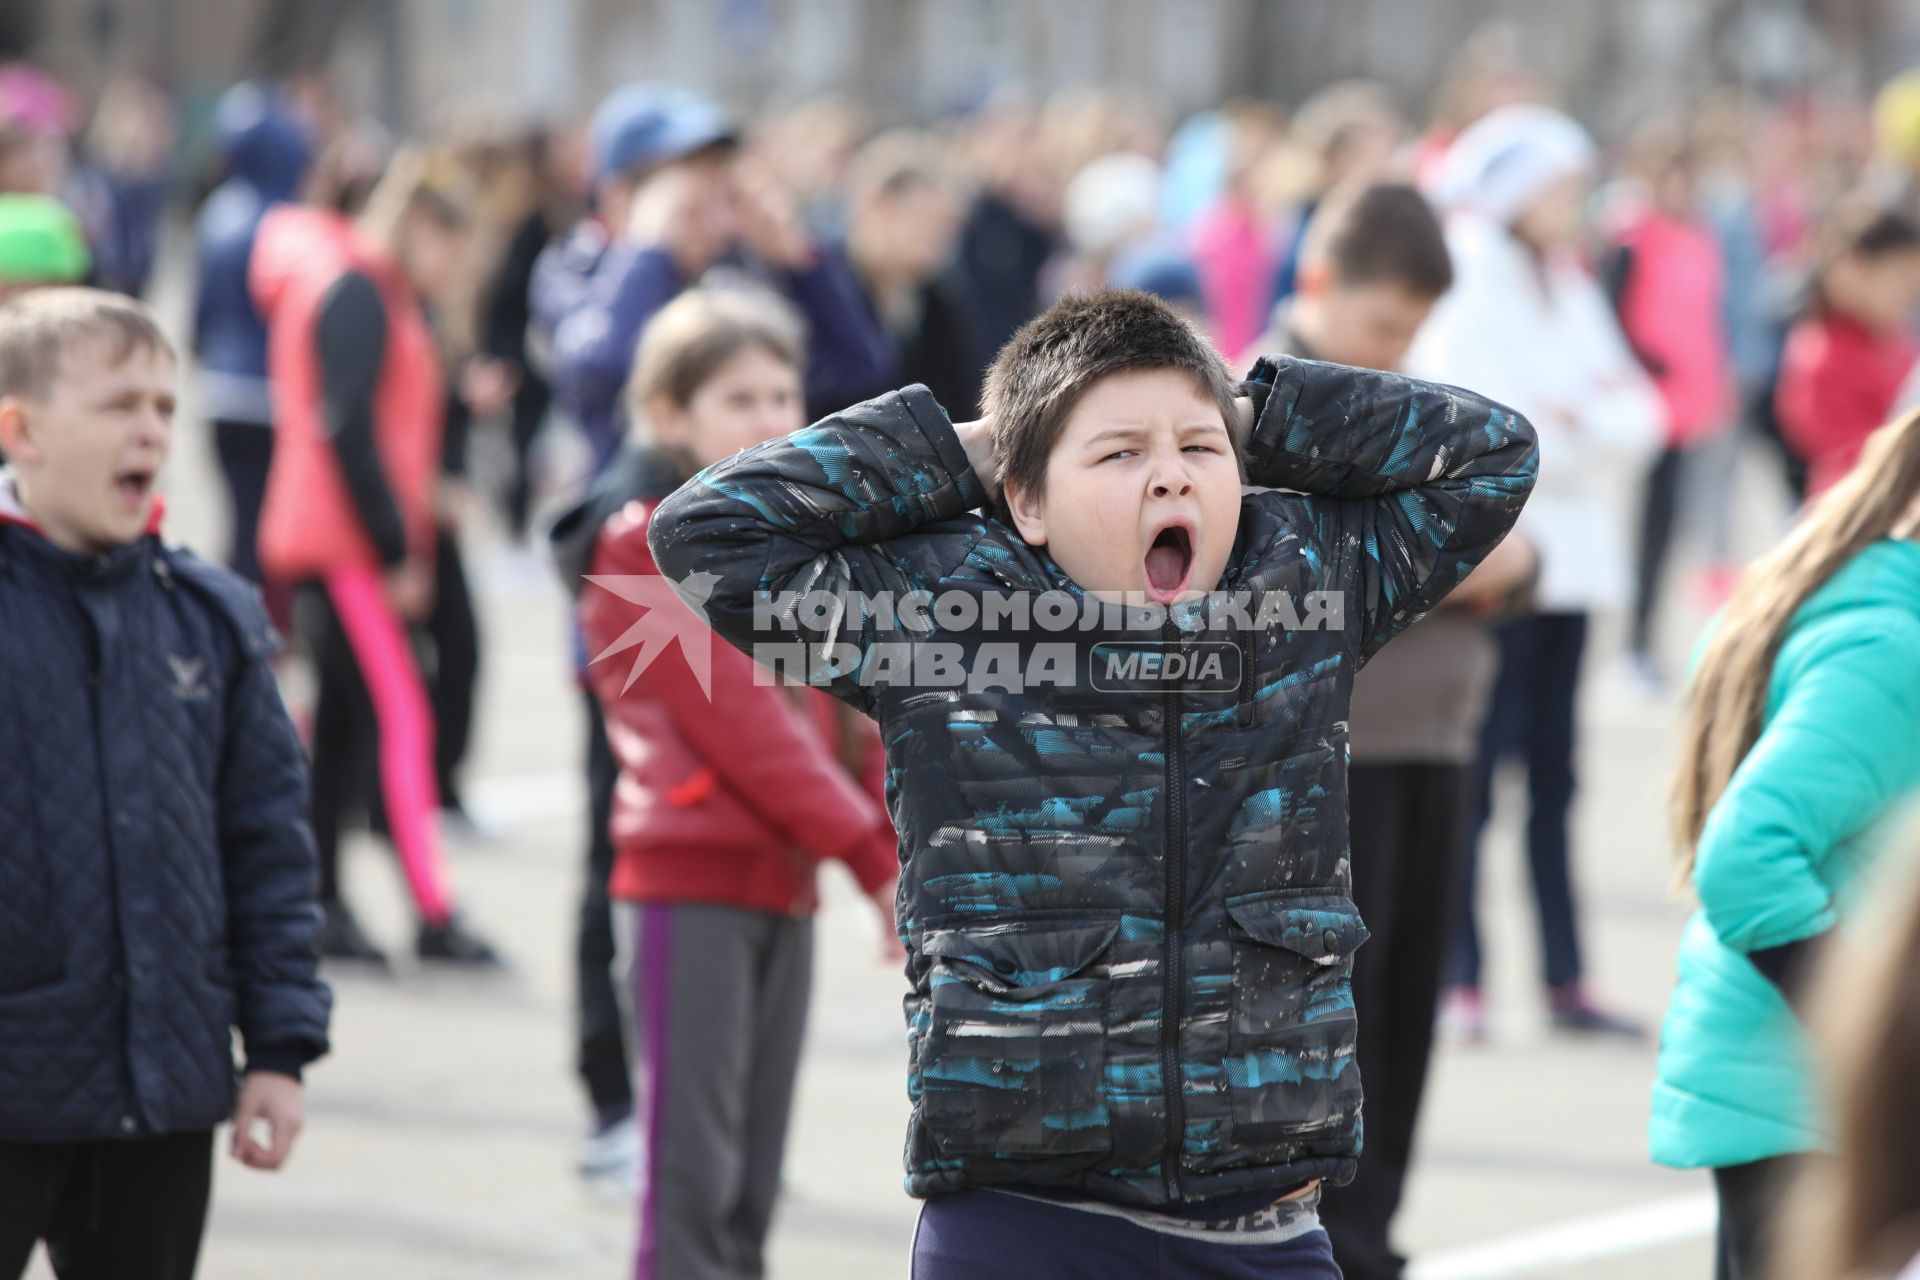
(133, 485)
(1169, 561)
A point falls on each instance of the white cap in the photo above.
(1500, 163)
(1111, 202)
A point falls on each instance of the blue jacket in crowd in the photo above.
(157, 877)
(266, 156)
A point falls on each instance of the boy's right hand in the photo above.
(270, 1099)
(976, 438)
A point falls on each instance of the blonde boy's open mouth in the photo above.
(134, 485)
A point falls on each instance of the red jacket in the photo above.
(1838, 382)
(733, 799)
(308, 524)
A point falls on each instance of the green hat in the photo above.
(40, 242)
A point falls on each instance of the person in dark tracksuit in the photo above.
(266, 154)
(1125, 889)
(1374, 261)
(157, 877)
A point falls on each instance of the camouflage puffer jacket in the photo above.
(1125, 897)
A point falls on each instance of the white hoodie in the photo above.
(1547, 345)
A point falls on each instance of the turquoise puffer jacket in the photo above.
(1781, 858)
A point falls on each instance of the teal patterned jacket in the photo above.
(1125, 898)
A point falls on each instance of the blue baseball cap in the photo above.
(641, 126)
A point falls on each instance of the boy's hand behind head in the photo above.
(86, 414)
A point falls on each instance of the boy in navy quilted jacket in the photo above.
(157, 878)
(1114, 704)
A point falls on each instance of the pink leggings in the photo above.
(384, 654)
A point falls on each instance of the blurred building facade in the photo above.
(406, 59)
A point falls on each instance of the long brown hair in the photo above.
(1855, 1214)
(1728, 698)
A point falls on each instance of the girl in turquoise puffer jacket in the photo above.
(1801, 746)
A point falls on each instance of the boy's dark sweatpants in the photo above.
(1409, 832)
(107, 1210)
(988, 1235)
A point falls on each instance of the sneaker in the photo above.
(610, 1162)
(1574, 1011)
(1463, 1016)
(454, 943)
(342, 938)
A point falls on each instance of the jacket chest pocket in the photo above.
(1014, 1048)
(1290, 1072)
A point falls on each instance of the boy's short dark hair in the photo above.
(1053, 359)
(37, 327)
(1381, 233)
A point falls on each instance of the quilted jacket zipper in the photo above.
(1172, 1011)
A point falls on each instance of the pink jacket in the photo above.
(1236, 261)
(1671, 310)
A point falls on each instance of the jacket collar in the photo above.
(13, 513)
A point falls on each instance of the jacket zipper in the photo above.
(1171, 1002)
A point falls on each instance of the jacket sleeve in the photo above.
(845, 506)
(849, 355)
(744, 728)
(272, 877)
(593, 344)
(1410, 484)
(1834, 754)
(351, 337)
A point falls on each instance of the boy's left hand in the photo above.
(275, 1099)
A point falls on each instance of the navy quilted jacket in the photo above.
(157, 878)
(1125, 900)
